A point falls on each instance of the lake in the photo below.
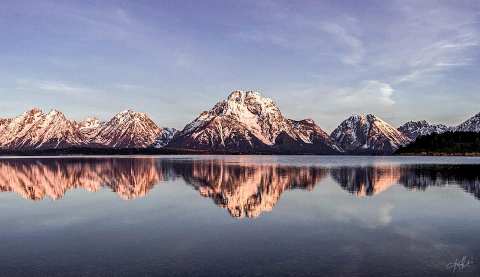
(240, 216)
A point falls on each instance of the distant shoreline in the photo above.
(446, 144)
(149, 152)
(169, 151)
(434, 154)
(98, 152)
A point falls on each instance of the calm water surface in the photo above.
(240, 216)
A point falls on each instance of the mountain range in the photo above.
(35, 130)
(245, 122)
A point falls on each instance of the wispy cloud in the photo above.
(372, 94)
(418, 40)
(439, 57)
(406, 50)
(354, 44)
(55, 87)
(434, 40)
(331, 105)
(328, 37)
(127, 87)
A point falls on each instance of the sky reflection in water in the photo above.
(271, 215)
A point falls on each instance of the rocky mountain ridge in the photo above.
(414, 129)
(36, 130)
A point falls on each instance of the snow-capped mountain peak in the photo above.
(245, 103)
(128, 129)
(90, 127)
(35, 129)
(258, 114)
(130, 115)
(414, 129)
(244, 121)
(368, 134)
(90, 122)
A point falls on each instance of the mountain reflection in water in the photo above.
(244, 189)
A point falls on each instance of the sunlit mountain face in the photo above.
(244, 189)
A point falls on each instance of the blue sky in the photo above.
(325, 60)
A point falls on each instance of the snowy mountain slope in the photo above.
(413, 129)
(90, 127)
(4, 123)
(35, 129)
(247, 122)
(470, 125)
(305, 137)
(368, 134)
(165, 137)
(128, 129)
